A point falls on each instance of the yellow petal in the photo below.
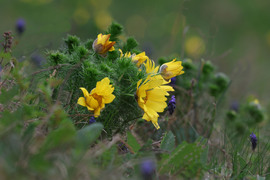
(92, 102)
(121, 53)
(109, 98)
(155, 124)
(156, 106)
(81, 101)
(102, 85)
(97, 112)
(85, 92)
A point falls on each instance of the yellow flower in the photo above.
(98, 97)
(136, 58)
(150, 67)
(139, 58)
(256, 101)
(127, 54)
(171, 69)
(151, 97)
(102, 44)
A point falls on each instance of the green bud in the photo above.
(115, 30)
(72, 42)
(130, 44)
(231, 116)
(57, 58)
(255, 112)
(240, 127)
(208, 68)
(222, 81)
(188, 65)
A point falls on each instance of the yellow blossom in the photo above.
(98, 97)
(136, 58)
(126, 55)
(102, 44)
(256, 101)
(139, 58)
(150, 67)
(171, 69)
(151, 97)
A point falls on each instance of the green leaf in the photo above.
(133, 143)
(86, 136)
(185, 156)
(61, 137)
(168, 142)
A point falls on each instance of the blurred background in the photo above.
(233, 34)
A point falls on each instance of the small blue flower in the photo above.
(173, 81)
(253, 140)
(92, 120)
(148, 169)
(20, 26)
(171, 105)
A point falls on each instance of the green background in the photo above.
(233, 34)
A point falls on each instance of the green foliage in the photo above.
(45, 134)
(115, 30)
(79, 67)
(130, 45)
(184, 160)
(8, 95)
(168, 142)
(87, 135)
(133, 143)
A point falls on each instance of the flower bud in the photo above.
(253, 140)
(102, 44)
(20, 26)
(171, 69)
(171, 105)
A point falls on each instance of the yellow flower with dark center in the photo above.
(98, 97)
(171, 69)
(151, 97)
(136, 58)
(102, 44)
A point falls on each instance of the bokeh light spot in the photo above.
(103, 19)
(194, 46)
(81, 16)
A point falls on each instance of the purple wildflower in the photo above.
(148, 169)
(20, 26)
(171, 105)
(92, 120)
(173, 81)
(253, 140)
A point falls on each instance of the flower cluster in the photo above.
(151, 90)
